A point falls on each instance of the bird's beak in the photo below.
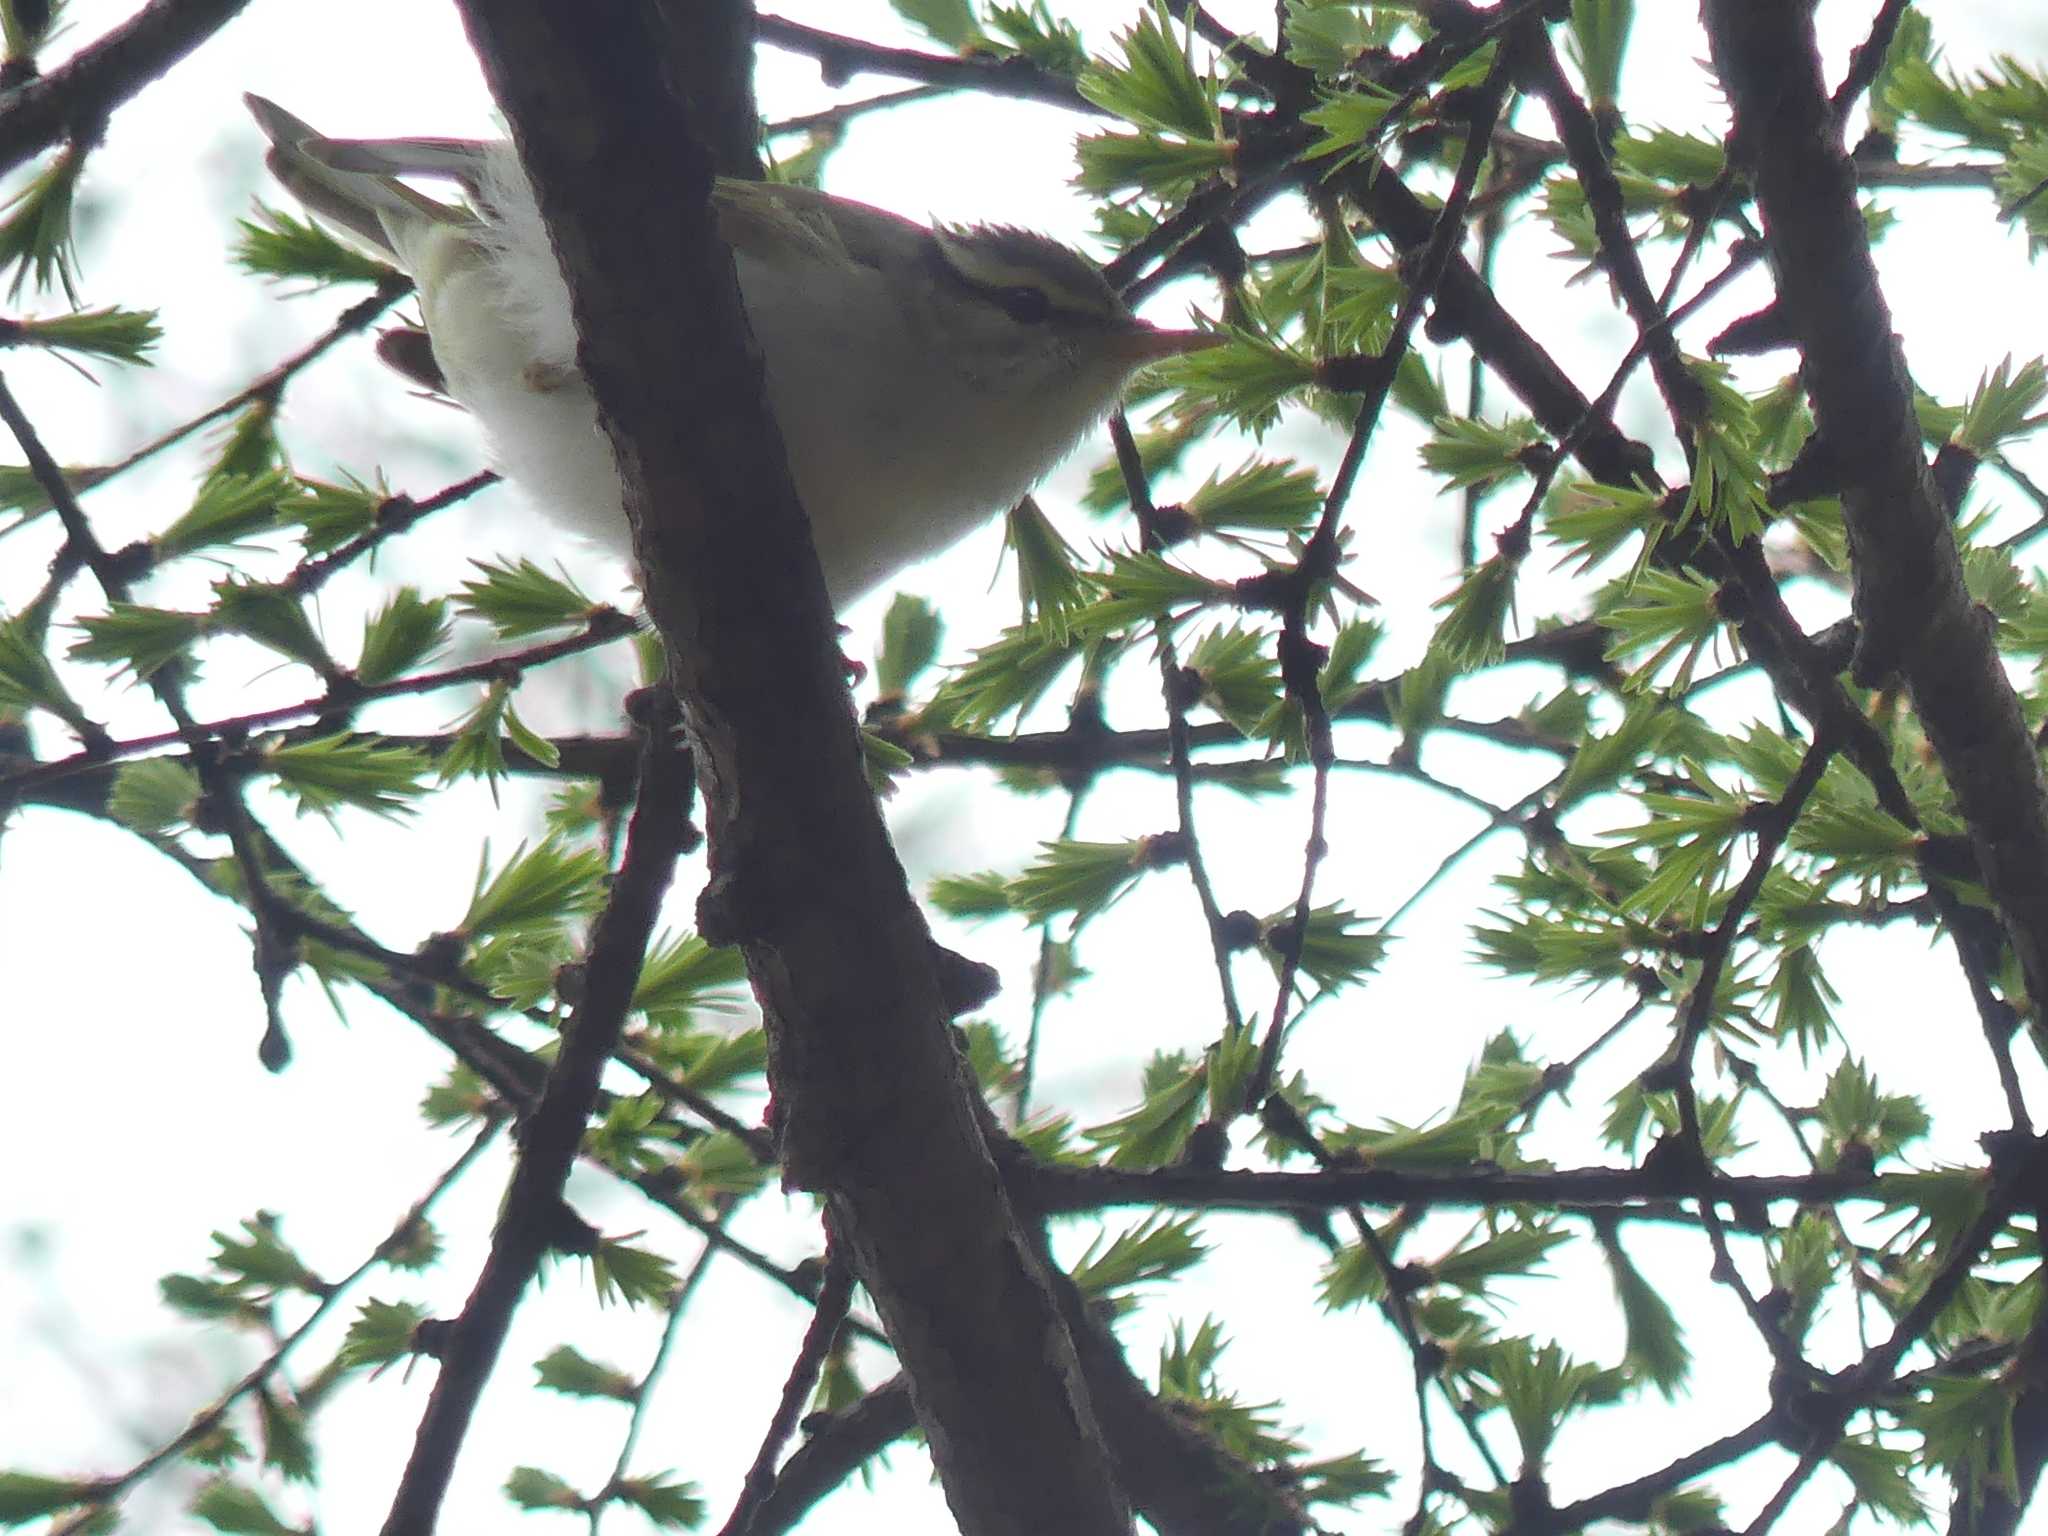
(1148, 343)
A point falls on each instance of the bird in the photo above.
(923, 377)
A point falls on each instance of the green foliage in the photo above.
(945, 21)
(1142, 586)
(1480, 1260)
(1033, 31)
(1352, 124)
(1334, 951)
(683, 976)
(1967, 1425)
(911, 631)
(564, 1370)
(1469, 452)
(1153, 1134)
(478, 745)
(1160, 447)
(27, 679)
(2004, 406)
(521, 969)
(1157, 1248)
(1350, 305)
(1153, 84)
(1802, 1000)
(1340, 683)
(382, 1333)
(1327, 38)
(1470, 1135)
(331, 515)
(1085, 878)
(1244, 382)
(260, 1260)
(970, 896)
(1994, 109)
(1656, 1347)
(1476, 615)
(536, 889)
(522, 599)
(1853, 1112)
(1693, 835)
(287, 1443)
(1881, 1476)
(26, 25)
(36, 237)
(1595, 521)
(158, 794)
(720, 1166)
(1672, 617)
(1049, 581)
(1677, 158)
(239, 1510)
(1233, 670)
(1620, 764)
(1005, 677)
(400, 634)
(25, 1496)
(1604, 759)
(1727, 483)
(250, 447)
(635, 1276)
(1537, 1386)
(1260, 495)
(1911, 49)
(276, 243)
(1148, 164)
(272, 616)
(1251, 1431)
(531, 1488)
(330, 772)
(2025, 168)
(119, 335)
(668, 1503)
(1598, 42)
(136, 638)
(219, 1449)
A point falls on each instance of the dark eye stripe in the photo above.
(1026, 306)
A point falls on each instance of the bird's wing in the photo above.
(457, 160)
(347, 183)
(757, 219)
(777, 223)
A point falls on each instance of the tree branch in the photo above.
(77, 97)
(841, 58)
(1053, 1188)
(533, 1215)
(1915, 615)
(873, 1103)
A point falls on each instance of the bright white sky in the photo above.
(138, 1118)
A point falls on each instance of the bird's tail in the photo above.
(353, 183)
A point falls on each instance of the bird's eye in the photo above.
(1026, 306)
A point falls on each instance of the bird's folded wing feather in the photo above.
(756, 219)
(341, 181)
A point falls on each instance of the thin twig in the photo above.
(841, 58)
(833, 1297)
(1139, 493)
(643, 1390)
(1299, 659)
(1866, 61)
(206, 1419)
(86, 89)
(533, 1216)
